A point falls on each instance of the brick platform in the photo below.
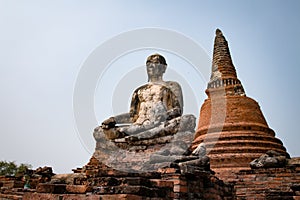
(271, 183)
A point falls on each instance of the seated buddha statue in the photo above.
(155, 109)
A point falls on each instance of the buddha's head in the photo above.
(156, 65)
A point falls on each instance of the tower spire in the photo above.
(223, 72)
(232, 125)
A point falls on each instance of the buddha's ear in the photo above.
(163, 68)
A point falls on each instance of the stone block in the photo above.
(10, 197)
(136, 190)
(295, 187)
(136, 181)
(162, 183)
(179, 182)
(46, 196)
(121, 197)
(184, 189)
(78, 189)
(31, 196)
(176, 188)
(13, 184)
(51, 188)
(167, 170)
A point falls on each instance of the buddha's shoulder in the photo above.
(141, 88)
(173, 84)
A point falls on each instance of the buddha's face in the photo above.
(155, 68)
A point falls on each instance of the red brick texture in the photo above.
(230, 124)
(237, 139)
(261, 184)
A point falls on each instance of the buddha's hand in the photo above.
(173, 113)
(109, 123)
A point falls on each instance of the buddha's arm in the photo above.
(174, 104)
(133, 113)
(118, 119)
(176, 89)
(174, 112)
(124, 118)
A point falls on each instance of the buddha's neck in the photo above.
(156, 79)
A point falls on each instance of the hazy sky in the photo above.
(45, 44)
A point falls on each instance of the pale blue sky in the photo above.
(43, 45)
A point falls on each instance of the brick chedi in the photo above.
(231, 124)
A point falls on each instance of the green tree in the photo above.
(22, 168)
(11, 168)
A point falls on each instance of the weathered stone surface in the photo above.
(198, 184)
(157, 133)
(295, 187)
(44, 196)
(12, 184)
(78, 189)
(265, 183)
(294, 161)
(153, 111)
(51, 188)
(10, 197)
(269, 159)
(66, 178)
(46, 171)
(141, 155)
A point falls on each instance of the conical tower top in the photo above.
(223, 71)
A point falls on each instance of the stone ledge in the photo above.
(51, 188)
(78, 189)
(10, 197)
(31, 196)
(137, 190)
(13, 184)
